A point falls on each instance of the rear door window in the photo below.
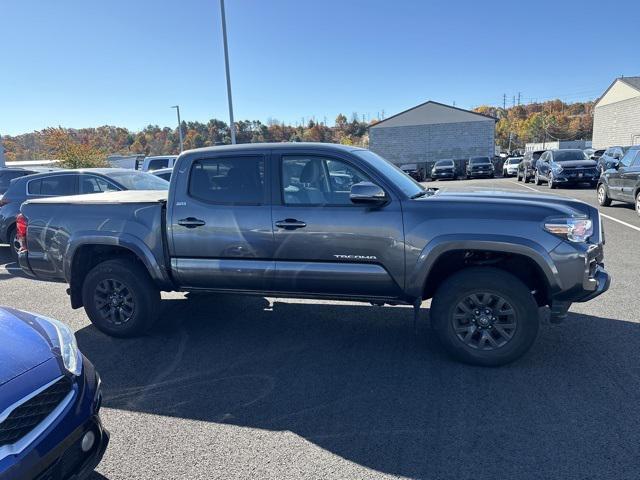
(157, 164)
(237, 181)
(54, 186)
(93, 184)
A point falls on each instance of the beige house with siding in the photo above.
(616, 115)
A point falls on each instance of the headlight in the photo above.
(557, 168)
(64, 343)
(573, 229)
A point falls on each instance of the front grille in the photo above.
(27, 416)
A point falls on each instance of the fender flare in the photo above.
(155, 266)
(417, 277)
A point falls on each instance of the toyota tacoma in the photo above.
(321, 221)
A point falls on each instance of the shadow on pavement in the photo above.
(355, 381)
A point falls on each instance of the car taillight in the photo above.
(21, 231)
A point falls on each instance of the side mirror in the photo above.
(367, 193)
(615, 165)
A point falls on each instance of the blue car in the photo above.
(49, 401)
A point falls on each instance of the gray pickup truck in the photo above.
(321, 221)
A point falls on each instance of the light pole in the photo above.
(2, 164)
(177, 107)
(232, 126)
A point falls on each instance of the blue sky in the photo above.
(125, 62)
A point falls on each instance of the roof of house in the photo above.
(633, 82)
(427, 105)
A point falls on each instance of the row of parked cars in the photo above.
(615, 171)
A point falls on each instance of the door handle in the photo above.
(191, 222)
(290, 224)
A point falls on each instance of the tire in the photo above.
(551, 184)
(518, 178)
(488, 284)
(603, 196)
(638, 203)
(13, 245)
(492, 176)
(129, 280)
(468, 177)
(537, 180)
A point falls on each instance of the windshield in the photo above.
(138, 180)
(568, 155)
(406, 184)
(479, 160)
(444, 163)
(514, 161)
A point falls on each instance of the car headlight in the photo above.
(557, 168)
(63, 342)
(576, 230)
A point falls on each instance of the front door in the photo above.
(325, 244)
(629, 177)
(220, 218)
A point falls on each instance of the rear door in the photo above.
(616, 177)
(325, 244)
(220, 222)
(543, 165)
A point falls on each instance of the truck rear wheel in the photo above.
(485, 316)
(120, 298)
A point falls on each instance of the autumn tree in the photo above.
(73, 152)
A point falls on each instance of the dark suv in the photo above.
(67, 182)
(480, 167)
(622, 182)
(610, 157)
(527, 167)
(565, 167)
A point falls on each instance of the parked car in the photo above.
(156, 163)
(480, 167)
(67, 182)
(246, 219)
(50, 399)
(163, 173)
(510, 166)
(443, 169)
(565, 167)
(622, 182)
(9, 173)
(527, 167)
(610, 158)
(413, 171)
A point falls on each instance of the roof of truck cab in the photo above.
(273, 145)
(124, 196)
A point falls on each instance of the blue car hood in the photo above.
(22, 346)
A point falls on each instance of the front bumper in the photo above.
(569, 179)
(480, 173)
(443, 174)
(57, 452)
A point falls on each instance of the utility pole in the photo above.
(509, 149)
(177, 107)
(232, 126)
(504, 101)
(514, 101)
(519, 93)
(2, 164)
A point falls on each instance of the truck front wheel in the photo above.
(120, 298)
(485, 316)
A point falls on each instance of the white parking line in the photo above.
(601, 214)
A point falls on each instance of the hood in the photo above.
(22, 347)
(578, 163)
(506, 198)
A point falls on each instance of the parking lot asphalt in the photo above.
(235, 387)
